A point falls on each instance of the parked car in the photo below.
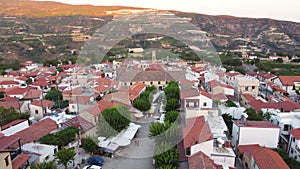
(92, 167)
(95, 161)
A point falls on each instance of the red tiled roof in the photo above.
(20, 160)
(256, 124)
(101, 89)
(251, 73)
(9, 99)
(219, 96)
(117, 96)
(9, 82)
(13, 103)
(189, 92)
(76, 91)
(104, 81)
(6, 141)
(202, 161)
(287, 105)
(33, 94)
(197, 69)
(204, 93)
(79, 122)
(155, 67)
(196, 131)
(81, 100)
(40, 83)
(13, 123)
(275, 87)
(289, 80)
(135, 90)
(103, 104)
(296, 133)
(94, 110)
(37, 130)
(31, 74)
(232, 74)
(42, 103)
(215, 83)
(264, 158)
(22, 78)
(16, 91)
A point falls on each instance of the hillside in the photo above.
(32, 30)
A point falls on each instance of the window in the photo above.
(158, 82)
(36, 112)
(292, 151)
(6, 160)
(286, 127)
(151, 83)
(293, 139)
(73, 106)
(204, 104)
(246, 88)
(47, 158)
(188, 151)
(295, 157)
(253, 87)
(130, 83)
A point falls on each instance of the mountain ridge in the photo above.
(46, 29)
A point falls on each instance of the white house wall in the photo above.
(266, 137)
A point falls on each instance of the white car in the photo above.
(92, 167)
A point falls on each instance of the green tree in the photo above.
(228, 121)
(171, 105)
(44, 165)
(89, 145)
(142, 104)
(10, 114)
(61, 138)
(171, 116)
(230, 103)
(113, 121)
(166, 155)
(291, 162)
(164, 132)
(156, 129)
(65, 156)
(172, 90)
(253, 115)
(54, 95)
(279, 60)
(167, 167)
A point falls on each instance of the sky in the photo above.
(275, 9)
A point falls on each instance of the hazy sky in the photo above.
(276, 9)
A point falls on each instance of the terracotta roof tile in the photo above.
(296, 133)
(256, 124)
(196, 131)
(13, 123)
(264, 158)
(9, 82)
(42, 103)
(135, 90)
(20, 160)
(37, 130)
(33, 94)
(201, 161)
(79, 122)
(101, 89)
(7, 141)
(16, 91)
(289, 80)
